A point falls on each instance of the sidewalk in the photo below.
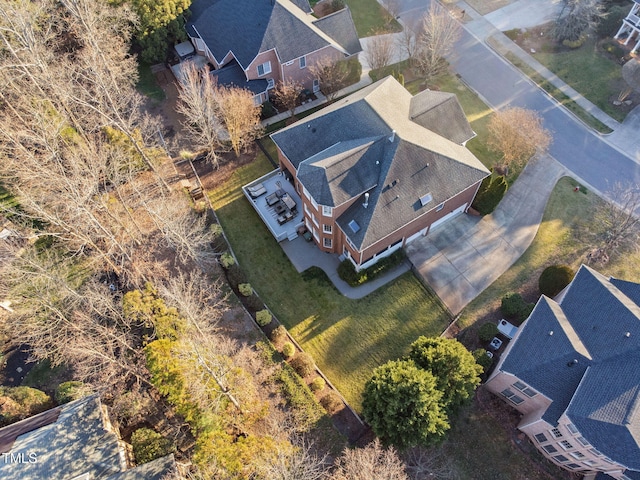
(486, 31)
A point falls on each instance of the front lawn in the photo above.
(370, 17)
(347, 338)
(596, 77)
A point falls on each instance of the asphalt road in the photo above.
(586, 154)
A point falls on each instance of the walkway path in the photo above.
(467, 254)
(304, 255)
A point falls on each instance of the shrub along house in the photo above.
(573, 372)
(380, 168)
(256, 43)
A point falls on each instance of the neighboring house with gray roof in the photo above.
(573, 371)
(72, 441)
(270, 40)
(370, 175)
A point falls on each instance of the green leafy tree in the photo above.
(456, 372)
(402, 404)
(160, 24)
(149, 445)
(69, 391)
(17, 403)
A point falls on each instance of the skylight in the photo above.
(426, 199)
(353, 225)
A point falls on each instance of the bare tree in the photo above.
(201, 109)
(440, 31)
(428, 463)
(82, 327)
(299, 462)
(616, 222)
(576, 18)
(332, 76)
(379, 50)
(287, 93)
(372, 462)
(407, 41)
(241, 116)
(516, 134)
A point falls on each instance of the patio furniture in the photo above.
(307, 236)
(288, 201)
(280, 193)
(257, 193)
(281, 219)
(280, 208)
(257, 186)
(272, 199)
(288, 216)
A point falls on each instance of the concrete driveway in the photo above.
(467, 254)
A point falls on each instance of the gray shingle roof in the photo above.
(339, 26)
(342, 171)
(249, 27)
(75, 443)
(599, 325)
(232, 75)
(441, 112)
(422, 161)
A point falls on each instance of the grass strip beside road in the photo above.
(551, 89)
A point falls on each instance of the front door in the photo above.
(316, 85)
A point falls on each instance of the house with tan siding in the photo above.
(379, 168)
(573, 372)
(254, 44)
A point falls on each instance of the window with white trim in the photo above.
(315, 220)
(573, 466)
(561, 458)
(270, 83)
(306, 210)
(528, 391)
(303, 61)
(583, 441)
(264, 69)
(541, 437)
(512, 397)
(316, 235)
(556, 433)
(326, 228)
(566, 445)
(313, 202)
(577, 455)
(305, 192)
(550, 449)
(572, 428)
(327, 211)
(327, 242)
(595, 452)
(590, 463)
(440, 207)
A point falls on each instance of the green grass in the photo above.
(147, 84)
(347, 338)
(552, 90)
(595, 76)
(370, 17)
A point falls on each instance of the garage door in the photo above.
(449, 216)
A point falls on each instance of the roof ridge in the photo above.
(567, 328)
(294, 10)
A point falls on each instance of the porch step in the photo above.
(292, 236)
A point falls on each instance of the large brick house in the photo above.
(257, 43)
(380, 168)
(573, 372)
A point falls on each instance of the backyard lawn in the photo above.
(347, 338)
(369, 17)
